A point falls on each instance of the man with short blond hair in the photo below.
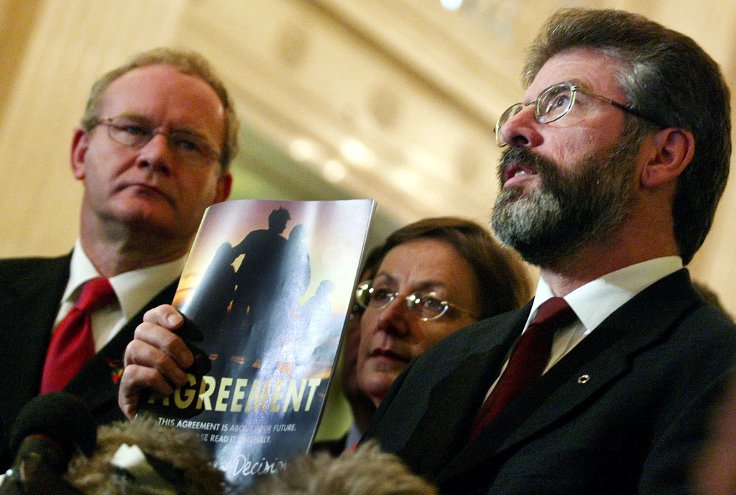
(152, 152)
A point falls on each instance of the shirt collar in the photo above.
(596, 300)
(134, 289)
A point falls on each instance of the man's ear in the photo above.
(80, 144)
(224, 187)
(671, 151)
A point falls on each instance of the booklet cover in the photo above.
(266, 291)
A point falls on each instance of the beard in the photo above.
(568, 210)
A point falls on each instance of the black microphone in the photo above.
(47, 432)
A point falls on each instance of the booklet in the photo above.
(266, 292)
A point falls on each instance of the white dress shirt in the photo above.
(596, 300)
(133, 289)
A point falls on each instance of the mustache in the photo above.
(546, 169)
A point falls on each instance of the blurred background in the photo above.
(387, 99)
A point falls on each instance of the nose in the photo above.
(156, 155)
(522, 129)
(393, 319)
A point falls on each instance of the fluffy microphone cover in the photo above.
(176, 455)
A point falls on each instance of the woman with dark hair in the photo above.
(434, 277)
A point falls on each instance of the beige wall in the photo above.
(419, 86)
(63, 47)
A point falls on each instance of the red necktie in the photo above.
(528, 359)
(72, 344)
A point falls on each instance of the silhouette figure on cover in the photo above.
(257, 278)
(211, 297)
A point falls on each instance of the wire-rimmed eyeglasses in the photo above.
(188, 147)
(555, 102)
(425, 306)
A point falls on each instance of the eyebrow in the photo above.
(133, 116)
(583, 87)
(577, 82)
(383, 275)
(431, 285)
(142, 119)
(574, 81)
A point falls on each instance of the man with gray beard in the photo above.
(616, 159)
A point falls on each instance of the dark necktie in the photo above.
(527, 361)
(72, 343)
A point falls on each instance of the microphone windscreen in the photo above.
(61, 416)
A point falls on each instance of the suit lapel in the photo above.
(595, 364)
(31, 294)
(97, 382)
(443, 428)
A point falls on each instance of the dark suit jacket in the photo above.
(30, 293)
(622, 413)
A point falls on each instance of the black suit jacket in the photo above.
(622, 413)
(30, 293)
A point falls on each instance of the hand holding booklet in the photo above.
(266, 291)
